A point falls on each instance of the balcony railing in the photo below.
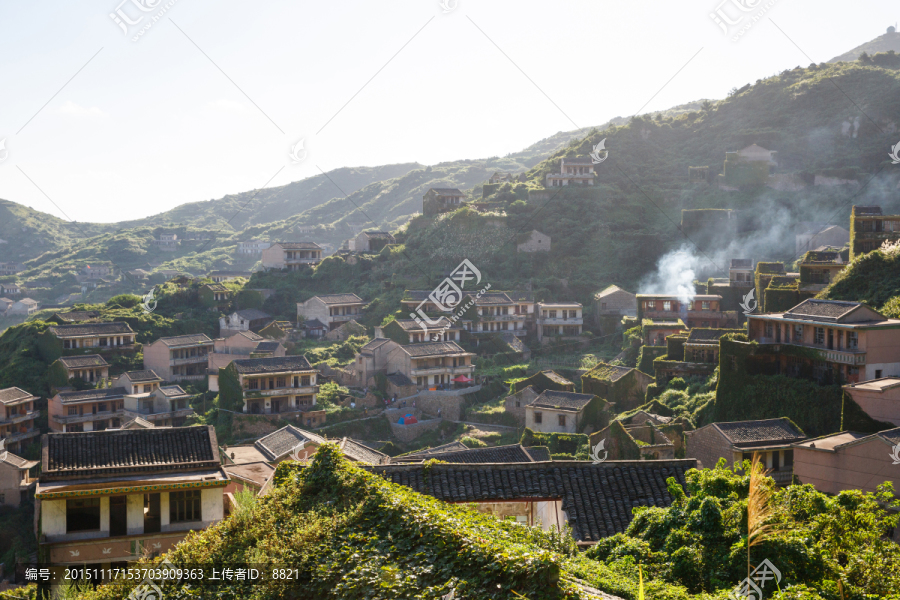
(98, 416)
(461, 370)
(346, 317)
(12, 438)
(152, 415)
(174, 362)
(282, 391)
(843, 356)
(19, 417)
(561, 321)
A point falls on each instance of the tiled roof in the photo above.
(432, 349)
(172, 391)
(299, 245)
(452, 446)
(116, 393)
(362, 453)
(88, 360)
(823, 257)
(137, 423)
(700, 336)
(556, 377)
(281, 442)
(186, 340)
(609, 290)
(376, 343)
(521, 295)
(267, 346)
(564, 400)
(274, 364)
(490, 298)
(448, 191)
(253, 337)
(130, 450)
(16, 461)
(216, 287)
(340, 299)
(867, 210)
(14, 394)
(252, 314)
(379, 235)
(822, 310)
(77, 315)
(741, 263)
(766, 430)
(514, 343)
(145, 375)
(608, 372)
(90, 329)
(539, 453)
(499, 454)
(598, 499)
(314, 324)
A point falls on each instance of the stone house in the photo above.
(771, 439)
(740, 273)
(314, 328)
(371, 241)
(848, 461)
(165, 406)
(331, 309)
(499, 177)
(432, 364)
(515, 404)
(248, 319)
(497, 312)
(16, 480)
(633, 442)
(99, 501)
(275, 385)
(566, 412)
(252, 247)
(17, 415)
(750, 166)
(830, 340)
(138, 383)
(818, 268)
(179, 358)
(408, 331)
(878, 398)
(690, 354)
(90, 368)
(167, 242)
(536, 242)
(625, 387)
(74, 316)
(100, 337)
(614, 302)
(10, 288)
(575, 170)
(702, 310)
(373, 359)
(293, 256)
(293, 443)
(345, 330)
(398, 385)
(559, 319)
(441, 200)
(5, 303)
(595, 500)
(25, 306)
(10, 268)
(870, 228)
(244, 344)
(212, 294)
(86, 410)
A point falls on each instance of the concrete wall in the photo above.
(550, 420)
(707, 445)
(156, 357)
(449, 403)
(881, 406)
(861, 466)
(9, 485)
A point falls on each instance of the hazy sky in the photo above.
(113, 129)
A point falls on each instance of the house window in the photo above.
(538, 417)
(253, 384)
(562, 420)
(852, 340)
(877, 373)
(770, 331)
(798, 333)
(280, 382)
(147, 388)
(788, 458)
(83, 515)
(704, 305)
(305, 380)
(819, 336)
(667, 305)
(184, 507)
(73, 411)
(649, 304)
(518, 404)
(603, 305)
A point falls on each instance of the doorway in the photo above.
(118, 516)
(152, 520)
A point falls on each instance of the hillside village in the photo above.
(473, 378)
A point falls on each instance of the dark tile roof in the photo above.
(116, 393)
(741, 263)
(598, 499)
(539, 453)
(608, 372)
(564, 400)
(253, 337)
(274, 364)
(452, 446)
(556, 378)
(145, 375)
(88, 360)
(91, 329)
(448, 191)
(281, 442)
(823, 257)
(299, 245)
(415, 295)
(340, 299)
(433, 349)
(16, 461)
(314, 324)
(128, 451)
(185, 340)
(362, 453)
(267, 346)
(493, 298)
(499, 454)
(14, 394)
(766, 430)
(171, 391)
(76, 316)
(379, 235)
(252, 314)
(812, 309)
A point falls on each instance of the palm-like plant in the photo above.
(759, 507)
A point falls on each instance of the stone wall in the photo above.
(449, 403)
(708, 446)
(407, 433)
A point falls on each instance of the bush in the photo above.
(677, 384)
(471, 442)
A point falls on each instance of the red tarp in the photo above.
(462, 379)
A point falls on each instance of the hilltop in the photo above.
(888, 42)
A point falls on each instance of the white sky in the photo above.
(148, 125)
